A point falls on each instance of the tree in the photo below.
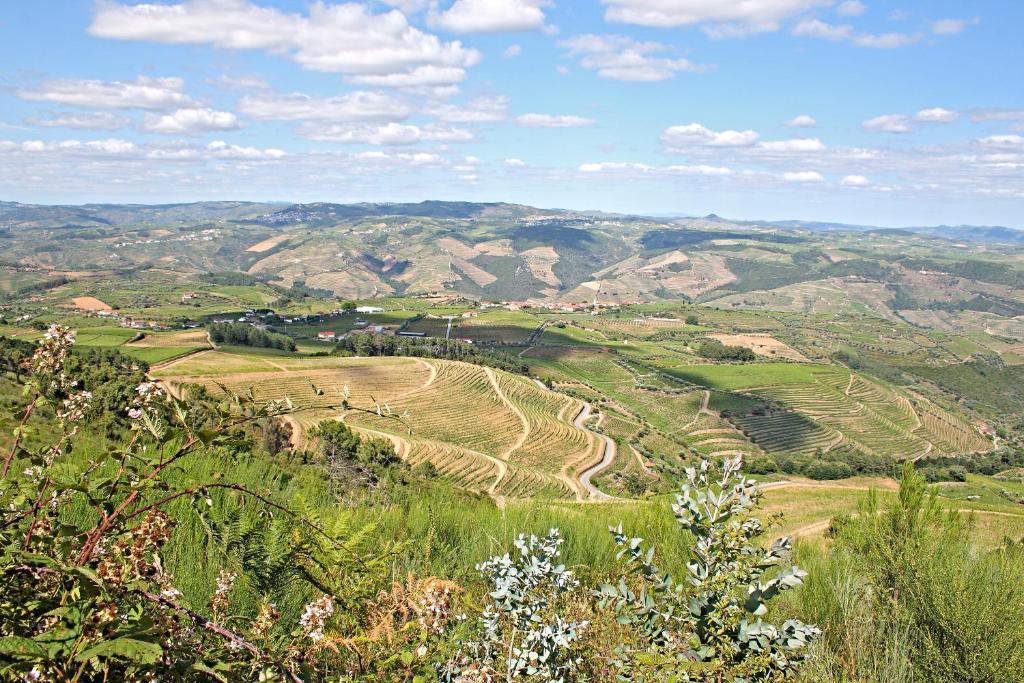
(692, 320)
(277, 435)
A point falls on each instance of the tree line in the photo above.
(246, 335)
(370, 344)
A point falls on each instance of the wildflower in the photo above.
(49, 356)
(265, 620)
(315, 617)
(219, 603)
(135, 413)
(75, 407)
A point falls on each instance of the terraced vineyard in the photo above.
(484, 429)
(818, 407)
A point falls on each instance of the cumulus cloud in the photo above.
(694, 134)
(725, 18)
(190, 122)
(949, 27)
(937, 115)
(222, 150)
(387, 134)
(490, 16)
(142, 93)
(347, 38)
(354, 106)
(888, 123)
(855, 181)
(816, 28)
(886, 41)
(997, 114)
(624, 59)
(636, 168)
(803, 177)
(110, 146)
(851, 8)
(1009, 141)
(553, 121)
(93, 120)
(484, 109)
(512, 51)
(514, 163)
(797, 145)
(802, 121)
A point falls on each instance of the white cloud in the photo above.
(512, 51)
(851, 8)
(490, 16)
(997, 114)
(856, 181)
(243, 82)
(886, 41)
(627, 167)
(387, 134)
(336, 38)
(221, 149)
(937, 115)
(888, 123)
(190, 122)
(815, 28)
(803, 177)
(1003, 141)
(949, 27)
(514, 163)
(736, 18)
(477, 110)
(553, 121)
(694, 134)
(359, 105)
(110, 146)
(421, 77)
(796, 145)
(700, 169)
(622, 58)
(802, 121)
(142, 93)
(94, 120)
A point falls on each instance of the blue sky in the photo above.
(844, 110)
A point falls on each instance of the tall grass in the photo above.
(904, 595)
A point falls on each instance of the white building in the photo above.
(369, 309)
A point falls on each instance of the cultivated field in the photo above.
(484, 429)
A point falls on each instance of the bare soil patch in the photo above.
(90, 303)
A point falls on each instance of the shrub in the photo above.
(708, 626)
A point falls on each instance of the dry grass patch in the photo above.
(267, 244)
(90, 303)
(762, 345)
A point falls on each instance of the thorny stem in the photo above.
(212, 626)
(17, 439)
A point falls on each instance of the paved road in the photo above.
(606, 461)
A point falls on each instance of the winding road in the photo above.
(606, 461)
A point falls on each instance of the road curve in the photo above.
(606, 461)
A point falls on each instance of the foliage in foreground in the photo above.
(708, 626)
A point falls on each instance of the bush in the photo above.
(826, 470)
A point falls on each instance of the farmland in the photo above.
(484, 429)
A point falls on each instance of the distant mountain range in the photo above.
(321, 213)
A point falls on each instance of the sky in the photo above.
(854, 111)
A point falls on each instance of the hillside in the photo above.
(486, 430)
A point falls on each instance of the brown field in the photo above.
(541, 261)
(762, 345)
(268, 244)
(90, 303)
(171, 340)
